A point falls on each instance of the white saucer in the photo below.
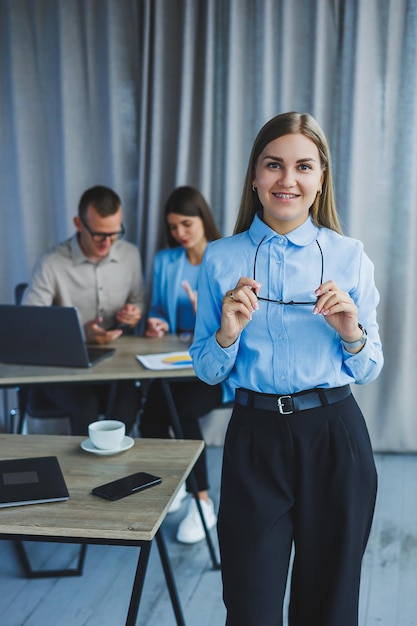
(127, 443)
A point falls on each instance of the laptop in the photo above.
(45, 335)
(31, 481)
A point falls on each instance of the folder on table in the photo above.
(31, 481)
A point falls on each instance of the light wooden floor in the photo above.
(100, 597)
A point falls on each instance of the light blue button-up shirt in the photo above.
(285, 349)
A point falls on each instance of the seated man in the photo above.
(101, 275)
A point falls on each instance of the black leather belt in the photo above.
(286, 404)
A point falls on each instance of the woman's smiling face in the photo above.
(288, 176)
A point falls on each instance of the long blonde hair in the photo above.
(323, 210)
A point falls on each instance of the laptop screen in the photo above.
(38, 335)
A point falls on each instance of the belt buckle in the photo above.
(281, 407)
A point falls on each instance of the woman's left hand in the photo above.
(338, 309)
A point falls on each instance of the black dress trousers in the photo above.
(307, 479)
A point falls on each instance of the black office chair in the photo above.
(19, 291)
(31, 399)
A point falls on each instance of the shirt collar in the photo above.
(301, 236)
(79, 256)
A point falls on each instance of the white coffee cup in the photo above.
(107, 434)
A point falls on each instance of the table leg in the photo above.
(169, 577)
(6, 417)
(176, 425)
(111, 401)
(49, 573)
(137, 589)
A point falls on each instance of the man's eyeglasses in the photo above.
(101, 237)
(290, 302)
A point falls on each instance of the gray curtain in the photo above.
(144, 95)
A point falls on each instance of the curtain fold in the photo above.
(145, 95)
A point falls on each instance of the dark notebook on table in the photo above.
(45, 335)
(31, 481)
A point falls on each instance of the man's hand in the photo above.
(94, 333)
(129, 315)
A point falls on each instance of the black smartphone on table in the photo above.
(123, 487)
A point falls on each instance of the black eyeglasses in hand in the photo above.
(290, 302)
(101, 237)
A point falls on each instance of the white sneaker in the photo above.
(191, 528)
(177, 501)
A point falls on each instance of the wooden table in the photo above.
(123, 365)
(87, 519)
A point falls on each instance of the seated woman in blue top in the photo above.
(189, 227)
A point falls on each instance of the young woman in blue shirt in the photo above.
(287, 314)
(189, 227)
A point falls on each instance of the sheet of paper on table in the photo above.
(165, 360)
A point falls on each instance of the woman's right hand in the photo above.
(156, 327)
(191, 294)
(237, 308)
